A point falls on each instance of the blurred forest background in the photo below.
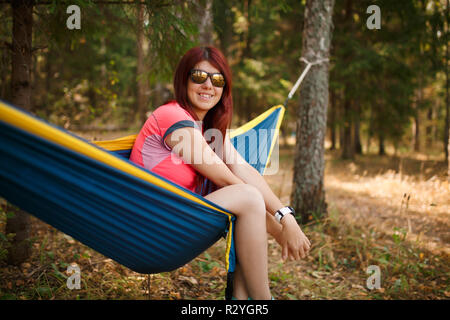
(387, 87)
(387, 139)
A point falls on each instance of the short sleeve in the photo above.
(171, 117)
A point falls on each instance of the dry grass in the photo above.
(380, 213)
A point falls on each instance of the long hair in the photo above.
(219, 117)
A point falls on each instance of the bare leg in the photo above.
(247, 203)
(240, 290)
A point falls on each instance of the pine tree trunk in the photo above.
(4, 70)
(419, 100)
(369, 132)
(247, 54)
(308, 194)
(205, 28)
(356, 132)
(429, 128)
(348, 150)
(448, 158)
(447, 93)
(143, 88)
(333, 120)
(224, 21)
(381, 148)
(48, 71)
(21, 63)
(341, 137)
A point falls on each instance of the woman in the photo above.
(171, 143)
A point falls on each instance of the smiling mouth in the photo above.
(205, 96)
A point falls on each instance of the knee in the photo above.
(251, 199)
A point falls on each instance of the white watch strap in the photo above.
(282, 212)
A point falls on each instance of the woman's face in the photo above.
(204, 96)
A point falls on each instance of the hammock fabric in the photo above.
(93, 193)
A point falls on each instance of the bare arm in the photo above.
(189, 144)
(288, 234)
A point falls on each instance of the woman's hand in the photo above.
(293, 241)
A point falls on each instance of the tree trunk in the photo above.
(224, 21)
(143, 88)
(205, 28)
(341, 137)
(369, 132)
(356, 132)
(381, 148)
(4, 71)
(333, 120)
(419, 100)
(308, 194)
(429, 128)
(48, 71)
(448, 158)
(247, 54)
(348, 150)
(447, 93)
(21, 64)
(417, 131)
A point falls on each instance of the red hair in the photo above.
(219, 117)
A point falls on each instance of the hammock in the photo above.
(92, 192)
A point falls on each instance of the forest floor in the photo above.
(389, 212)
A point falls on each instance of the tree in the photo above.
(22, 11)
(142, 45)
(308, 194)
(448, 159)
(205, 26)
(348, 149)
(447, 85)
(170, 30)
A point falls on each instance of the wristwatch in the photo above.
(284, 211)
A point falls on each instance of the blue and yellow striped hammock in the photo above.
(92, 192)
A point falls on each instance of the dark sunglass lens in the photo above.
(218, 80)
(199, 76)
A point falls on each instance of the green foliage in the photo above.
(87, 78)
(89, 75)
(390, 64)
(171, 31)
(208, 263)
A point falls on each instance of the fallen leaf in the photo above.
(25, 265)
(191, 280)
(358, 286)
(306, 292)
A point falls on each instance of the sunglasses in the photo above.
(200, 76)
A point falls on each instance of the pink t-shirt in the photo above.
(151, 152)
